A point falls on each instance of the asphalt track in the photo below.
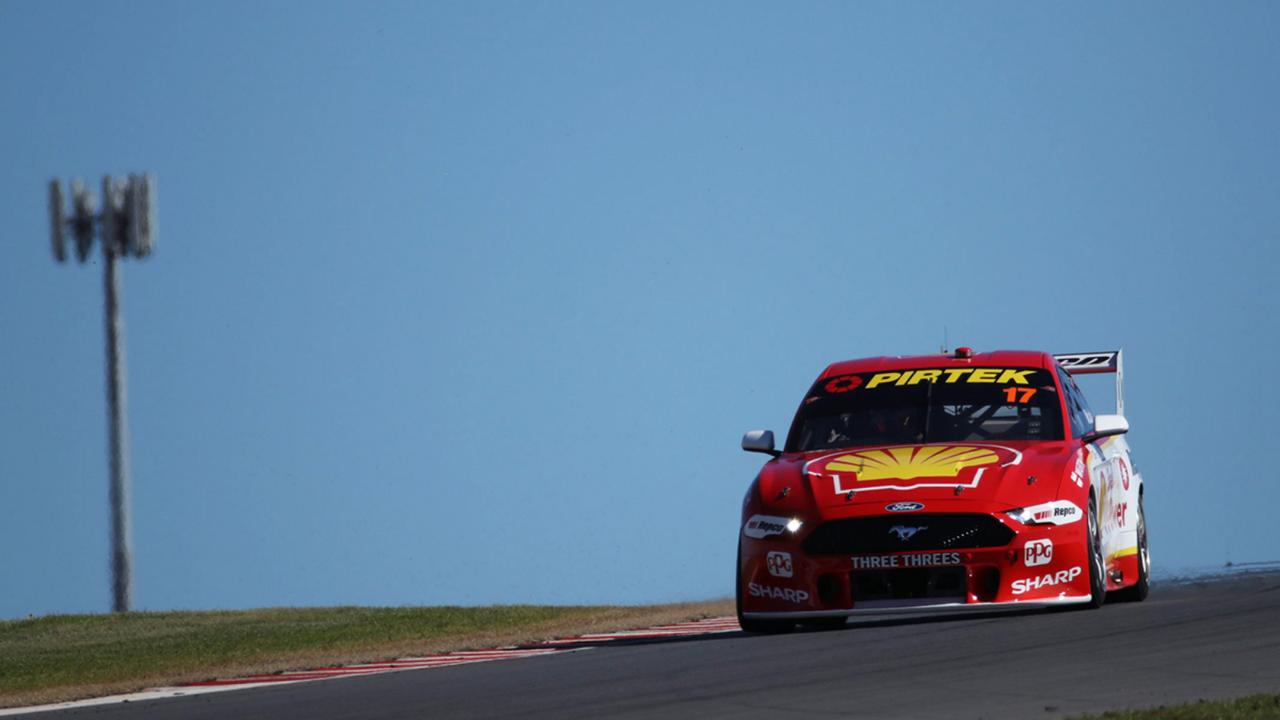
(1208, 639)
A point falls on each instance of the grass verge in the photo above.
(64, 657)
(1254, 707)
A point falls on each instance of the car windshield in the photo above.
(927, 405)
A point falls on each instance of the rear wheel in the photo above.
(1139, 590)
(756, 627)
(1097, 566)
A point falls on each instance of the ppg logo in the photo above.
(779, 564)
(1038, 552)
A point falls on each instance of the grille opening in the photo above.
(986, 583)
(829, 590)
(902, 533)
(913, 584)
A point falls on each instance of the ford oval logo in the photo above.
(904, 507)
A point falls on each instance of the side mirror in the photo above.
(760, 441)
(1106, 426)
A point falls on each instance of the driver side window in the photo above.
(1081, 418)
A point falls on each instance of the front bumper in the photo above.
(1042, 565)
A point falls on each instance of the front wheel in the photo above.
(824, 623)
(765, 627)
(1097, 566)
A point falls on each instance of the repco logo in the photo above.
(1038, 552)
(762, 526)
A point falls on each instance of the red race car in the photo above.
(962, 481)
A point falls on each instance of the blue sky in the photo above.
(471, 302)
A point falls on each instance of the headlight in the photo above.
(759, 527)
(1026, 516)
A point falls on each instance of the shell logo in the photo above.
(909, 463)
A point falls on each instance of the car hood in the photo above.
(962, 476)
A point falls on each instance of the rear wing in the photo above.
(1111, 361)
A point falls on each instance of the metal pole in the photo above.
(118, 439)
(126, 226)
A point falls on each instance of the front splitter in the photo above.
(935, 608)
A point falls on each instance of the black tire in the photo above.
(755, 627)
(765, 627)
(824, 623)
(1097, 564)
(1139, 590)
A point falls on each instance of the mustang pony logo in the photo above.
(909, 463)
(905, 533)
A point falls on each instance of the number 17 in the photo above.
(1019, 395)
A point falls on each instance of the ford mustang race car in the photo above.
(942, 483)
